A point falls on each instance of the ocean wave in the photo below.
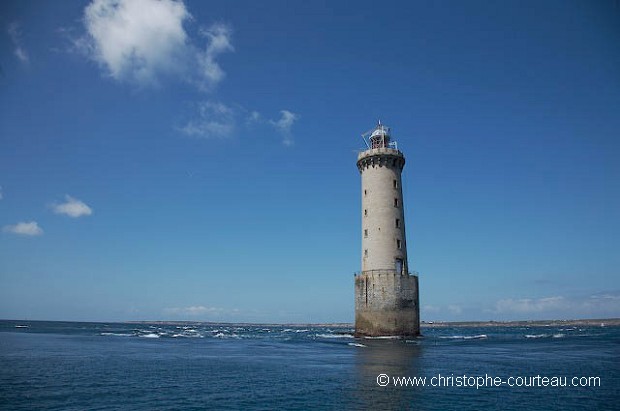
(116, 335)
(149, 335)
(356, 344)
(558, 335)
(222, 335)
(544, 336)
(384, 337)
(334, 336)
(191, 335)
(465, 337)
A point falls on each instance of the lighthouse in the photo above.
(386, 292)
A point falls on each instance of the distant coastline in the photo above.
(596, 322)
(426, 324)
(524, 323)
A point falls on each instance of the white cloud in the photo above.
(30, 228)
(141, 41)
(214, 120)
(15, 35)
(1, 196)
(135, 39)
(72, 207)
(284, 125)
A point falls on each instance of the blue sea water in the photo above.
(97, 366)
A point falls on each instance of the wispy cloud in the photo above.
(213, 120)
(1, 195)
(599, 305)
(14, 30)
(430, 309)
(199, 310)
(141, 41)
(452, 310)
(30, 228)
(594, 305)
(72, 207)
(219, 41)
(284, 126)
(254, 117)
(529, 305)
(455, 309)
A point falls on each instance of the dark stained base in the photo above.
(386, 304)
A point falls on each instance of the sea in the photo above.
(199, 366)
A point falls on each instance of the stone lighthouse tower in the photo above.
(386, 293)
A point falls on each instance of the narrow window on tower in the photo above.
(366, 233)
(399, 265)
(397, 223)
(398, 244)
(366, 253)
(365, 192)
(365, 212)
(396, 202)
(395, 183)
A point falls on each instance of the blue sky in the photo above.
(196, 160)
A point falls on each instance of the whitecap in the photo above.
(537, 335)
(301, 331)
(22, 326)
(149, 335)
(558, 335)
(356, 345)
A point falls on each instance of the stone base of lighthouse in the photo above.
(386, 304)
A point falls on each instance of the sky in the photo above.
(195, 160)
